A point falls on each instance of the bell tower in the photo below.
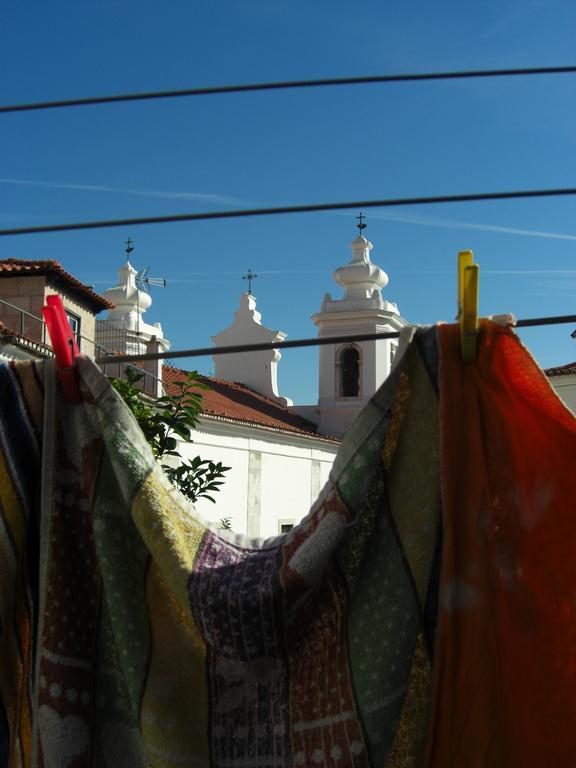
(350, 373)
(258, 370)
(126, 331)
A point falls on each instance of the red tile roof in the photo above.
(561, 370)
(234, 401)
(54, 271)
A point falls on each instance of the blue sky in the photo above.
(296, 147)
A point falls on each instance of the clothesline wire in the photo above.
(238, 348)
(289, 84)
(289, 209)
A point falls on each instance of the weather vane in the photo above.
(250, 276)
(361, 224)
(129, 247)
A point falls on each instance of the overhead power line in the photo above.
(319, 83)
(242, 348)
(313, 208)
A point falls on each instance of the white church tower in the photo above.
(257, 370)
(350, 373)
(124, 330)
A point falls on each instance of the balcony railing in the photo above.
(113, 341)
(24, 323)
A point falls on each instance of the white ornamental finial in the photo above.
(360, 278)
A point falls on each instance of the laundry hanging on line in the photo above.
(422, 614)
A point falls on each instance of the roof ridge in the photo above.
(271, 427)
(229, 382)
(54, 266)
(235, 400)
(567, 368)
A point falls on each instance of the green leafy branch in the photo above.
(165, 419)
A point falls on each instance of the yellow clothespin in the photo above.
(468, 274)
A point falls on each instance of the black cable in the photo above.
(237, 348)
(221, 89)
(247, 348)
(358, 204)
(557, 320)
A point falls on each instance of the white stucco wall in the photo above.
(257, 370)
(274, 477)
(290, 502)
(565, 387)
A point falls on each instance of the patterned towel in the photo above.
(132, 634)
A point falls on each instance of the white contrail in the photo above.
(216, 277)
(451, 224)
(488, 271)
(198, 277)
(198, 196)
(405, 218)
(529, 271)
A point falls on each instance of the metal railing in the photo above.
(149, 383)
(111, 337)
(33, 328)
(23, 322)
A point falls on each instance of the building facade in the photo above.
(278, 461)
(280, 455)
(24, 286)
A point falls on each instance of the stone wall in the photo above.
(29, 293)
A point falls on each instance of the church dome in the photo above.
(126, 295)
(360, 278)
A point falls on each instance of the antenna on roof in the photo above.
(144, 282)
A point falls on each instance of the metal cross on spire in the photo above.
(250, 276)
(129, 247)
(361, 224)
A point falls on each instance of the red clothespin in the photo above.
(64, 345)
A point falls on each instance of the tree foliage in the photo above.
(165, 419)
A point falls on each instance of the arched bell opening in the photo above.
(349, 371)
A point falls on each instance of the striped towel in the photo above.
(423, 613)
